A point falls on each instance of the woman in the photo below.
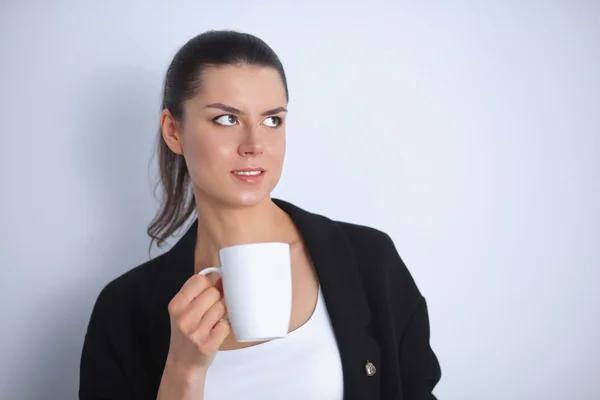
(159, 330)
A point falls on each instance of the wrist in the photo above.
(184, 372)
(181, 381)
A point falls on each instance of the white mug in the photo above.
(257, 283)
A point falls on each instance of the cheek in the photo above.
(206, 148)
(277, 147)
(206, 156)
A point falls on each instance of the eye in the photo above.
(226, 120)
(273, 122)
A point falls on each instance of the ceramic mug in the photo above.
(257, 284)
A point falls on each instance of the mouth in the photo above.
(253, 172)
(250, 176)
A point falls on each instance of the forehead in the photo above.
(248, 87)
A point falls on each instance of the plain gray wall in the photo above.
(468, 132)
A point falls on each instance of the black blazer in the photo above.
(377, 313)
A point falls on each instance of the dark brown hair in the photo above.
(183, 81)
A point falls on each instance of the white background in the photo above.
(469, 132)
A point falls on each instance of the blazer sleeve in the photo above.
(101, 375)
(419, 367)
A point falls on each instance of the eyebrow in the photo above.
(233, 110)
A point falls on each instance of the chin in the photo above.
(233, 196)
(251, 196)
(246, 199)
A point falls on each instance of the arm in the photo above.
(419, 367)
(101, 376)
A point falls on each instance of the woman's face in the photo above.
(233, 135)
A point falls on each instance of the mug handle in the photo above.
(211, 269)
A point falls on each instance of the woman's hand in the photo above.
(197, 331)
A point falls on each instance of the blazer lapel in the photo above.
(340, 281)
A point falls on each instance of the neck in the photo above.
(221, 226)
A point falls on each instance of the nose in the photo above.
(252, 144)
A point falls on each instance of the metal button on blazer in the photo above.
(370, 368)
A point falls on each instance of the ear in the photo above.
(170, 132)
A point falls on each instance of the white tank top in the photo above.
(304, 365)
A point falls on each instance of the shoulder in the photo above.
(130, 291)
(139, 278)
(380, 263)
(363, 236)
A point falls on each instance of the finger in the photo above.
(190, 318)
(217, 336)
(219, 333)
(210, 319)
(188, 292)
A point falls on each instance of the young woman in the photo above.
(158, 330)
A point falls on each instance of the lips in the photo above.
(250, 176)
